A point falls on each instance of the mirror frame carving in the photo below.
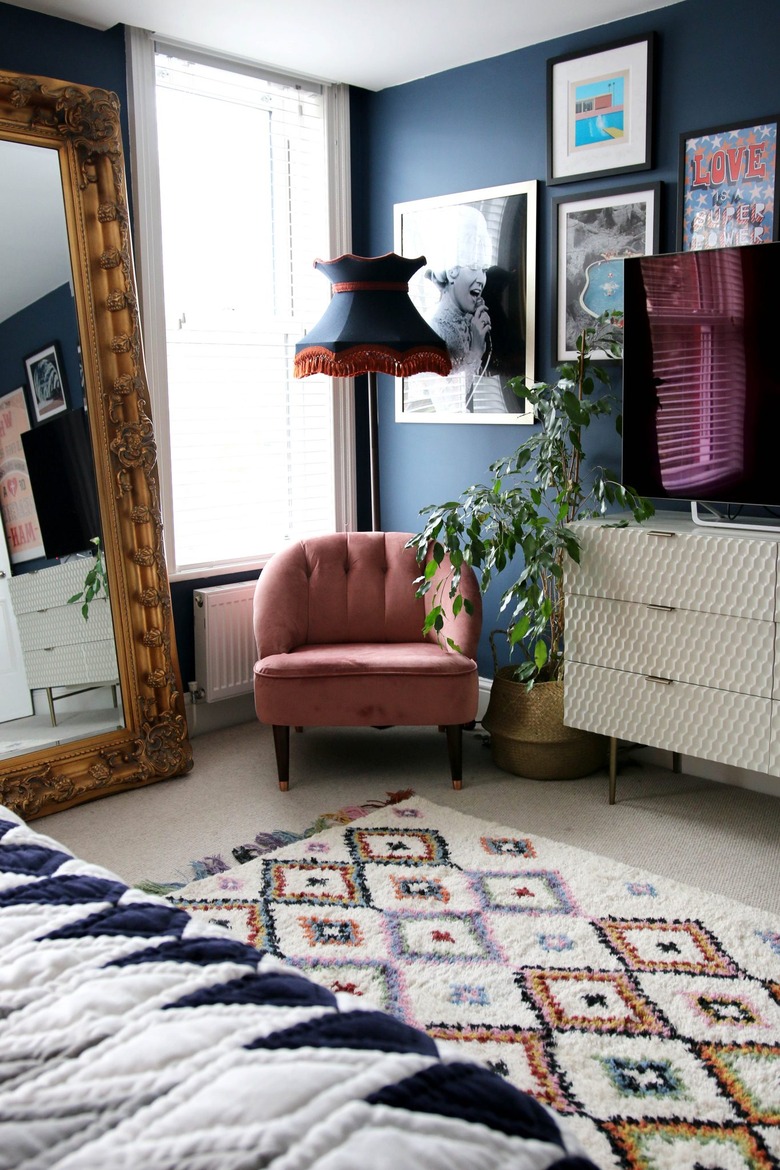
(83, 125)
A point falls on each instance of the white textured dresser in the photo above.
(59, 647)
(672, 639)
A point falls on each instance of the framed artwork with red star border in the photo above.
(728, 186)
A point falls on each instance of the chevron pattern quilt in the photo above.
(134, 1036)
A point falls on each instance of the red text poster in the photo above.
(17, 505)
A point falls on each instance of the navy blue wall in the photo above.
(478, 126)
(52, 318)
(485, 124)
(45, 45)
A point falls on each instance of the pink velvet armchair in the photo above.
(340, 644)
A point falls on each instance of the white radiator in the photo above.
(224, 640)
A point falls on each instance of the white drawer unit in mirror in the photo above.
(60, 647)
(671, 634)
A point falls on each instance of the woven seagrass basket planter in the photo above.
(528, 736)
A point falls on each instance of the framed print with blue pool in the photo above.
(593, 235)
(477, 291)
(600, 111)
(728, 186)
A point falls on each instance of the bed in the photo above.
(132, 1036)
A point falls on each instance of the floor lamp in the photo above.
(371, 327)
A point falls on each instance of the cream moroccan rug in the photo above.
(645, 1011)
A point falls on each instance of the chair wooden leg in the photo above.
(455, 750)
(282, 749)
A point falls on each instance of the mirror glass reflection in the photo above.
(58, 668)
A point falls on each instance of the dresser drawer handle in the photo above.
(660, 532)
(657, 678)
(663, 608)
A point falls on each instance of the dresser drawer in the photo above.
(65, 626)
(774, 743)
(48, 588)
(70, 666)
(707, 649)
(696, 721)
(727, 574)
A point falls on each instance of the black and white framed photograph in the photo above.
(477, 290)
(600, 111)
(46, 383)
(593, 235)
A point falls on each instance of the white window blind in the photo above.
(244, 212)
(696, 315)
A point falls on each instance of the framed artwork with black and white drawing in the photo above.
(477, 290)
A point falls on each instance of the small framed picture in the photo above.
(477, 290)
(728, 186)
(593, 236)
(599, 111)
(46, 383)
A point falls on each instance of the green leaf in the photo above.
(540, 654)
(430, 618)
(519, 630)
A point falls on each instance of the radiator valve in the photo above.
(196, 693)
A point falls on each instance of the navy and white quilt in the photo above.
(132, 1036)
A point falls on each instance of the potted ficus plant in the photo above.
(521, 519)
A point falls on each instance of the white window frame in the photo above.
(141, 47)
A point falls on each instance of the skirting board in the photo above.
(205, 717)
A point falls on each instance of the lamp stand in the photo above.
(373, 429)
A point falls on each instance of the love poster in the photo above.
(728, 186)
(17, 504)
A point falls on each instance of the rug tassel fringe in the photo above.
(266, 842)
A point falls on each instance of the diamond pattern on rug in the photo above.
(748, 1072)
(388, 847)
(314, 884)
(540, 892)
(592, 1001)
(646, 1011)
(684, 947)
(690, 1146)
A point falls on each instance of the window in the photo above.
(696, 317)
(249, 454)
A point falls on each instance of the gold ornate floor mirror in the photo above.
(79, 130)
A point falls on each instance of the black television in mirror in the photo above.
(701, 379)
(62, 477)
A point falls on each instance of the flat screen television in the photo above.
(701, 378)
(62, 476)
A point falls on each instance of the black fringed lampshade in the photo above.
(371, 325)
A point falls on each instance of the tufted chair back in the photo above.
(350, 587)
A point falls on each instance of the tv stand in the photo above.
(671, 636)
(753, 525)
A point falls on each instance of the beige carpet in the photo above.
(703, 833)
